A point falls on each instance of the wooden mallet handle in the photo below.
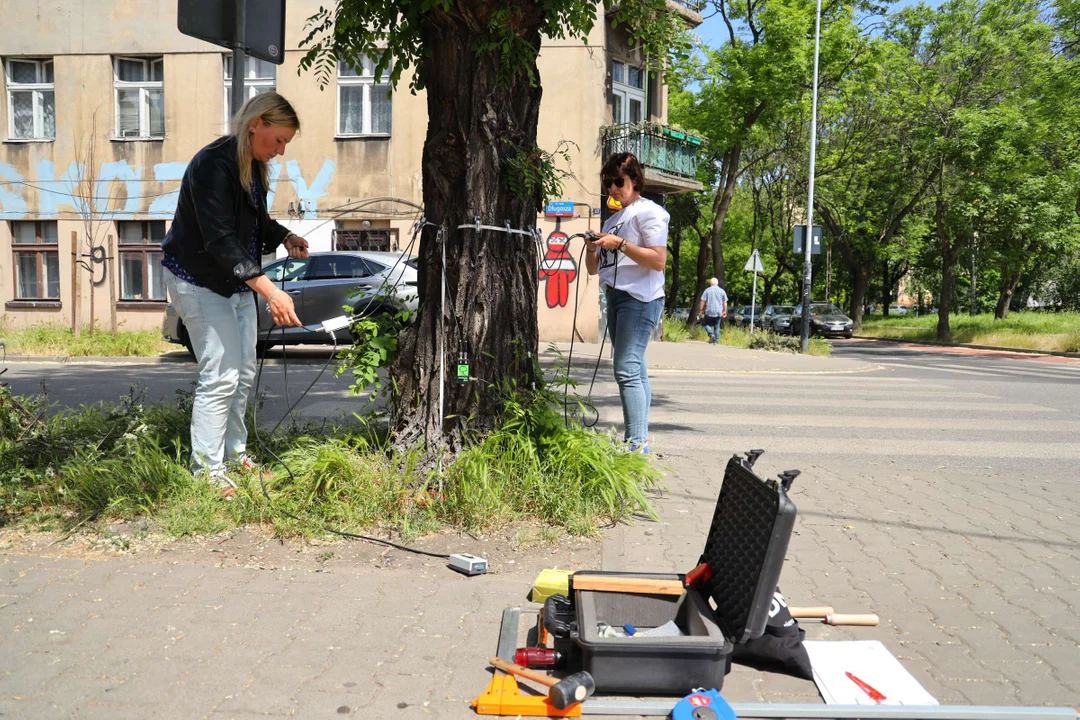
(868, 620)
(514, 669)
(810, 612)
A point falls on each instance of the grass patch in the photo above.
(678, 331)
(110, 461)
(59, 341)
(1057, 331)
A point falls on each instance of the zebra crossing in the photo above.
(992, 421)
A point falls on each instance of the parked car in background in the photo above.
(826, 320)
(901, 309)
(741, 316)
(681, 314)
(371, 283)
(777, 318)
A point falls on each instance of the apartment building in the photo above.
(103, 103)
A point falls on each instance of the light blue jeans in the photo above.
(223, 331)
(630, 325)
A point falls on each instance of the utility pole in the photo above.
(808, 268)
(238, 69)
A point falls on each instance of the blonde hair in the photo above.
(272, 109)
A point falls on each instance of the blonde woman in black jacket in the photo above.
(213, 271)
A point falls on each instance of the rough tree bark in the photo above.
(476, 121)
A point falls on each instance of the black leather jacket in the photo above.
(214, 220)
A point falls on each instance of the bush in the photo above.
(764, 340)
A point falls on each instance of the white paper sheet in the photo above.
(869, 661)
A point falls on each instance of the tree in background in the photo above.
(477, 62)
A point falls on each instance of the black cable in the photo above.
(573, 334)
(292, 406)
(262, 486)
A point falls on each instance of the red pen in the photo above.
(867, 688)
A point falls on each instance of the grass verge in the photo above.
(118, 461)
(58, 341)
(1022, 330)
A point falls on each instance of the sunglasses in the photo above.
(617, 182)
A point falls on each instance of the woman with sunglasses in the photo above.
(630, 257)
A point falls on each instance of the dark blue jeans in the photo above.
(630, 325)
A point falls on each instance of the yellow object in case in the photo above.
(550, 582)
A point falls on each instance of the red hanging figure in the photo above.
(558, 268)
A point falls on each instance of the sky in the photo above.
(713, 31)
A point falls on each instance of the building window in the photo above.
(140, 97)
(141, 276)
(259, 77)
(363, 104)
(628, 93)
(31, 101)
(37, 260)
(376, 240)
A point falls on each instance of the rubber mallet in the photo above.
(562, 693)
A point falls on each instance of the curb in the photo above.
(998, 348)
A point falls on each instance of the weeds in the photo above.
(59, 341)
(678, 331)
(121, 460)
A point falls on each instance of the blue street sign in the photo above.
(559, 208)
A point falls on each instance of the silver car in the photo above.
(322, 286)
(777, 318)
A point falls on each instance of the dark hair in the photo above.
(626, 164)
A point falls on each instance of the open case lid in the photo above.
(745, 550)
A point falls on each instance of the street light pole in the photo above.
(238, 70)
(808, 239)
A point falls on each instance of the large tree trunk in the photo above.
(860, 282)
(476, 120)
(1009, 280)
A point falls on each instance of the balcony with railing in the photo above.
(669, 156)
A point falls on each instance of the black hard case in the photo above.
(747, 541)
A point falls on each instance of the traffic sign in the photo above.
(754, 263)
(800, 233)
(215, 21)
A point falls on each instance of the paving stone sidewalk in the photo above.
(975, 582)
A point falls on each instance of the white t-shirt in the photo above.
(642, 223)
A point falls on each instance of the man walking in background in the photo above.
(713, 309)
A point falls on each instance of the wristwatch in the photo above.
(622, 246)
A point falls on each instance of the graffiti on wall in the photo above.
(58, 193)
(558, 269)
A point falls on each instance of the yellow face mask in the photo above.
(614, 204)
